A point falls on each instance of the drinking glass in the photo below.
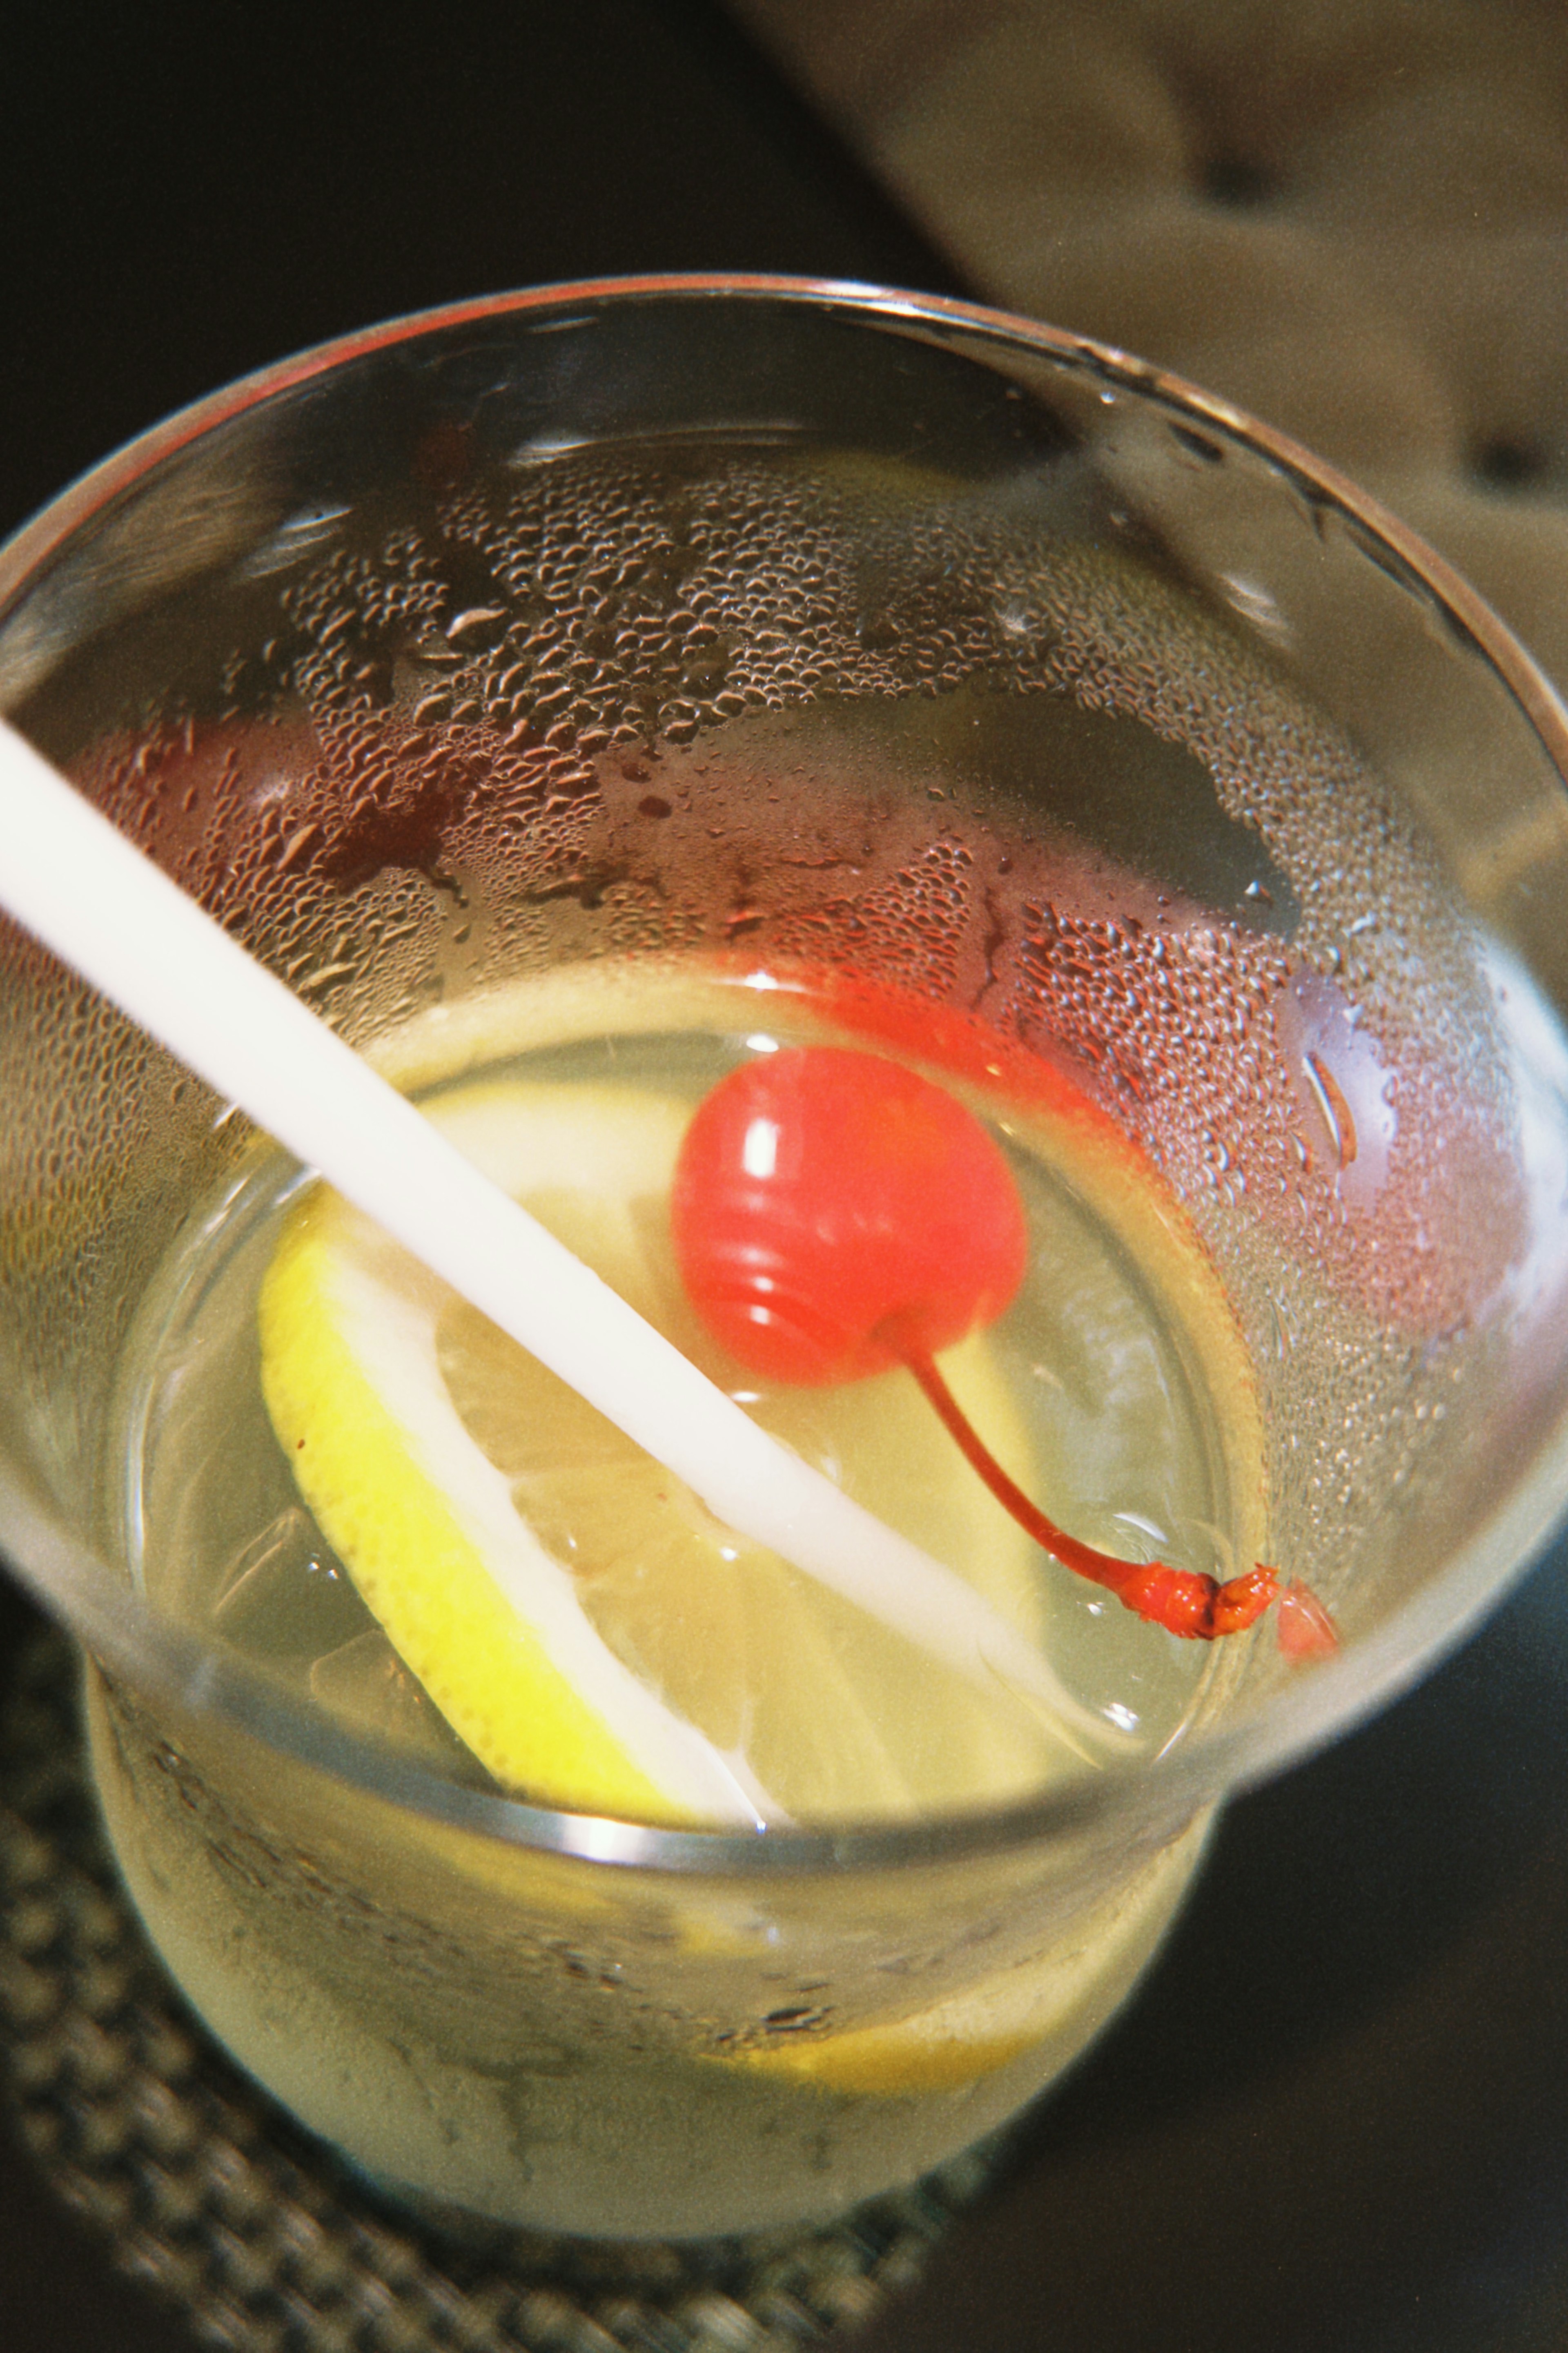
(926, 679)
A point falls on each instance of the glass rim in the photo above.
(68, 1579)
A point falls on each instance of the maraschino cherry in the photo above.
(834, 1215)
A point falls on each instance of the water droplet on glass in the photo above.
(1330, 1102)
(480, 626)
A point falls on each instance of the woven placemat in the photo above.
(204, 2189)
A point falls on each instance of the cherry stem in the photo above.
(1183, 1601)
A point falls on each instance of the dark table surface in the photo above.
(1338, 2115)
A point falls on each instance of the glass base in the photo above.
(205, 2190)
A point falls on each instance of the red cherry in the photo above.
(834, 1216)
(826, 1201)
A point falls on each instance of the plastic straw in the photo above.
(89, 894)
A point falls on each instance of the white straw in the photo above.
(82, 888)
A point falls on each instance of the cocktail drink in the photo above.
(630, 715)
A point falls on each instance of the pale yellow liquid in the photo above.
(613, 2052)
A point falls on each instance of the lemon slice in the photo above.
(597, 1638)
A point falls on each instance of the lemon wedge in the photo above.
(596, 1637)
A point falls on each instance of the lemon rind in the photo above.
(591, 1736)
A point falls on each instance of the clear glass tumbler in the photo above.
(615, 665)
